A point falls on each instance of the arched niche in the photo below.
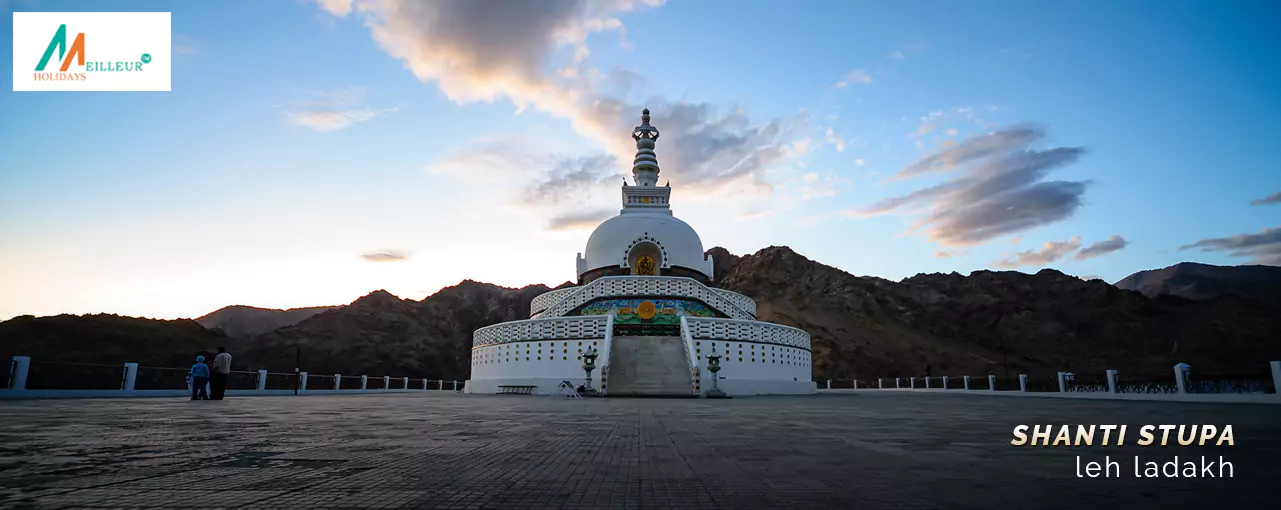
(645, 258)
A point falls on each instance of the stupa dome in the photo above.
(614, 240)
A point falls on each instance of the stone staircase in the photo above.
(651, 366)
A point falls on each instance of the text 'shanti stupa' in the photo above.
(643, 304)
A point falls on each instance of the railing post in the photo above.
(405, 383)
(1179, 379)
(302, 382)
(131, 377)
(18, 372)
(455, 387)
(945, 382)
(880, 383)
(424, 384)
(364, 382)
(991, 382)
(1062, 382)
(386, 382)
(1023, 383)
(966, 379)
(912, 382)
(337, 382)
(829, 384)
(262, 379)
(1276, 376)
(1111, 381)
(896, 383)
(927, 382)
(856, 384)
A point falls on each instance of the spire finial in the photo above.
(645, 167)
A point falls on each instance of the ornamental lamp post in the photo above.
(589, 364)
(714, 366)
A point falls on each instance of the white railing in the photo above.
(742, 301)
(552, 328)
(690, 359)
(59, 380)
(547, 299)
(748, 331)
(623, 286)
(607, 346)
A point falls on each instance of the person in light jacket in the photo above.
(199, 378)
(218, 374)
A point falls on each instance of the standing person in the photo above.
(220, 370)
(199, 377)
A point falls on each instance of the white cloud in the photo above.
(906, 50)
(1101, 248)
(1001, 191)
(855, 76)
(1050, 252)
(331, 111)
(475, 53)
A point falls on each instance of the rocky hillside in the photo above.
(1203, 281)
(382, 334)
(991, 321)
(240, 320)
(107, 339)
(862, 326)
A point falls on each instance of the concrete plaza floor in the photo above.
(445, 450)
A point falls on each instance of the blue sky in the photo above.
(301, 138)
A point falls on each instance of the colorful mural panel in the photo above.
(647, 310)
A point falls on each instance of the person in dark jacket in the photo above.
(199, 378)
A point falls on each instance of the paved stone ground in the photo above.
(442, 450)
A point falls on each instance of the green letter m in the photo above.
(59, 42)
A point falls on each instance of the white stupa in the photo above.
(644, 304)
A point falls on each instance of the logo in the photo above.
(59, 43)
(91, 51)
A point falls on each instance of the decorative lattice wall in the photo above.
(725, 301)
(547, 299)
(560, 328)
(744, 302)
(748, 331)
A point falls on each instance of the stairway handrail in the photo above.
(688, 340)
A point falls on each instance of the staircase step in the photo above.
(649, 366)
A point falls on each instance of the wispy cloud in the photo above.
(474, 53)
(813, 185)
(855, 76)
(1272, 199)
(1050, 252)
(1001, 189)
(1263, 247)
(184, 45)
(950, 254)
(906, 50)
(385, 255)
(580, 220)
(331, 111)
(1100, 248)
(332, 120)
(554, 185)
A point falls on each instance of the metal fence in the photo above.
(43, 375)
(1230, 383)
(27, 374)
